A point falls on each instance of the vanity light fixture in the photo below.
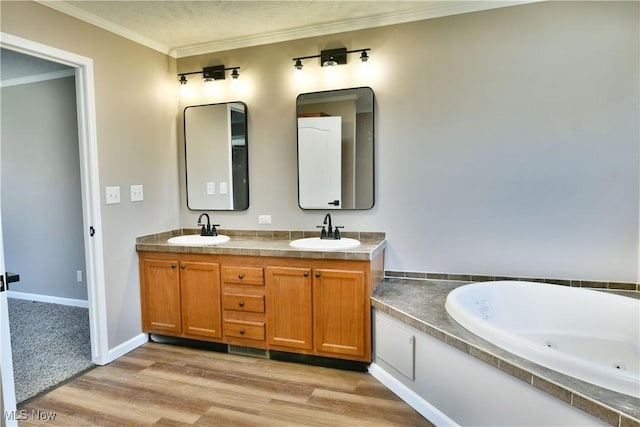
(332, 57)
(217, 72)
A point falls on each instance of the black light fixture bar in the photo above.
(216, 72)
(331, 57)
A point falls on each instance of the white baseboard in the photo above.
(413, 399)
(49, 299)
(126, 347)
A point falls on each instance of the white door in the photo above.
(320, 162)
(7, 389)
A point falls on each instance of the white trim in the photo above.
(7, 384)
(46, 298)
(128, 346)
(38, 78)
(440, 10)
(450, 8)
(105, 24)
(413, 399)
(89, 178)
(434, 11)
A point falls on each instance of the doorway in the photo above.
(42, 223)
(91, 218)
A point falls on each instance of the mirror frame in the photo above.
(186, 160)
(373, 147)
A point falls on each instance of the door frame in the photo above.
(8, 411)
(89, 178)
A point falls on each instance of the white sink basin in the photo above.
(319, 244)
(195, 239)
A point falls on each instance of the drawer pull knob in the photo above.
(241, 331)
(241, 303)
(240, 276)
(306, 274)
(173, 265)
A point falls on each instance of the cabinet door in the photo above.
(200, 285)
(289, 310)
(339, 311)
(161, 296)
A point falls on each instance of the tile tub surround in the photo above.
(595, 284)
(420, 304)
(266, 243)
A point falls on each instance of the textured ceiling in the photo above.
(183, 28)
(190, 27)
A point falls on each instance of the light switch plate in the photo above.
(223, 188)
(112, 195)
(211, 188)
(137, 193)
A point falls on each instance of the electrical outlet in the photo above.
(264, 219)
(112, 195)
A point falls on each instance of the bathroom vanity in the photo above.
(257, 291)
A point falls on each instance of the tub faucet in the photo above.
(208, 229)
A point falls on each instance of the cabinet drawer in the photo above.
(243, 275)
(247, 330)
(237, 302)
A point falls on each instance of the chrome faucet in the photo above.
(208, 229)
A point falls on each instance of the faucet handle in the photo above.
(323, 233)
(336, 232)
(213, 230)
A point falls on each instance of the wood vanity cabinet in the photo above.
(160, 295)
(180, 296)
(318, 307)
(314, 308)
(341, 312)
(289, 296)
(243, 305)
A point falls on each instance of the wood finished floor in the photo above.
(159, 384)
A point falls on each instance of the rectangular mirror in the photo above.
(336, 149)
(216, 156)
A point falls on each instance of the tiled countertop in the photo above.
(420, 303)
(266, 243)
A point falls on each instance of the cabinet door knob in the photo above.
(183, 266)
(317, 274)
(241, 276)
(241, 331)
(306, 274)
(241, 303)
(173, 265)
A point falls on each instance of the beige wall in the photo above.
(506, 140)
(136, 105)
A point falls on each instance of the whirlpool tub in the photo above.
(587, 334)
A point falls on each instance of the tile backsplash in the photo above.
(626, 286)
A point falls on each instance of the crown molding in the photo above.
(71, 10)
(436, 10)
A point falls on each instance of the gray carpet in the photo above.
(50, 343)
